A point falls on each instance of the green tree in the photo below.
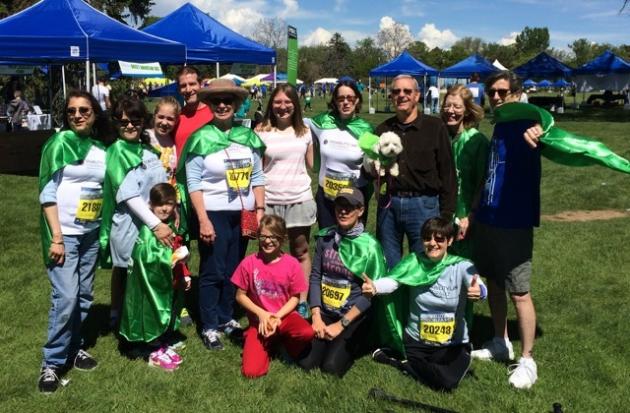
(148, 21)
(582, 51)
(419, 50)
(311, 62)
(504, 54)
(338, 57)
(365, 57)
(531, 41)
(469, 45)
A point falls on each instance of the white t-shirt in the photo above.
(100, 92)
(286, 179)
(340, 159)
(221, 178)
(80, 193)
(434, 92)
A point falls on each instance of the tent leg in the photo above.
(217, 70)
(93, 73)
(87, 76)
(369, 94)
(275, 76)
(63, 80)
(50, 93)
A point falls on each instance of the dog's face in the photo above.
(390, 145)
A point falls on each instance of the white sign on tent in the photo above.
(140, 69)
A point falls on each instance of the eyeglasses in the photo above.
(134, 122)
(454, 107)
(349, 98)
(272, 238)
(83, 111)
(502, 92)
(408, 92)
(227, 101)
(438, 238)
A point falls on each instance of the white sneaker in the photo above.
(524, 374)
(498, 348)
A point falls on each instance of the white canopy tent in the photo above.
(498, 65)
(326, 80)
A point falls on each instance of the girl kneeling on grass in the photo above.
(151, 305)
(424, 319)
(269, 284)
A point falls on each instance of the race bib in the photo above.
(334, 181)
(238, 173)
(437, 328)
(335, 293)
(90, 204)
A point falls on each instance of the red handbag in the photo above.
(249, 221)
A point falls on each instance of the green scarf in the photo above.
(121, 157)
(62, 149)
(356, 126)
(392, 310)
(205, 141)
(561, 146)
(148, 304)
(360, 255)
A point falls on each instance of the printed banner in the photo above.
(292, 56)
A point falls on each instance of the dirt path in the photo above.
(581, 216)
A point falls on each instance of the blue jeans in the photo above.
(405, 216)
(72, 295)
(217, 262)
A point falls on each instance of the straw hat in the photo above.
(223, 87)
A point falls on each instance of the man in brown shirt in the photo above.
(426, 186)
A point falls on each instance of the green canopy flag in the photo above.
(62, 149)
(356, 126)
(205, 141)
(415, 270)
(121, 157)
(561, 146)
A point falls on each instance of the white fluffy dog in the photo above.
(388, 147)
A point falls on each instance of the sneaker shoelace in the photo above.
(48, 374)
(82, 355)
(211, 335)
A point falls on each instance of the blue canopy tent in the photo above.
(561, 83)
(465, 68)
(606, 71)
(404, 63)
(529, 83)
(543, 65)
(209, 41)
(61, 31)
(345, 79)
(544, 83)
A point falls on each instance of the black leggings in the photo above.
(441, 368)
(336, 356)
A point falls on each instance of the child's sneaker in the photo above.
(160, 359)
(175, 358)
(211, 340)
(524, 374)
(184, 318)
(231, 329)
(498, 348)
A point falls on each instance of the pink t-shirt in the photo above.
(287, 181)
(270, 286)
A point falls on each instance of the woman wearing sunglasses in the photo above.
(338, 157)
(421, 310)
(71, 194)
(133, 168)
(222, 168)
(470, 152)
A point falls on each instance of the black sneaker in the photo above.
(211, 340)
(84, 361)
(48, 380)
(232, 329)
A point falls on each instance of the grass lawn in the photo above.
(581, 290)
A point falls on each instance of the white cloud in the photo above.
(509, 39)
(317, 37)
(290, 9)
(411, 8)
(339, 5)
(386, 22)
(433, 37)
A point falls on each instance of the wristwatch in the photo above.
(344, 322)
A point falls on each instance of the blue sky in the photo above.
(437, 23)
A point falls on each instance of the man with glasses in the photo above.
(508, 210)
(194, 114)
(426, 185)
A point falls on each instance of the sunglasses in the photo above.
(273, 238)
(349, 98)
(502, 92)
(134, 122)
(83, 111)
(227, 101)
(438, 238)
(408, 92)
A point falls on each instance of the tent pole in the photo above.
(369, 93)
(50, 94)
(87, 76)
(217, 69)
(93, 73)
(275, 75)
(63, 80)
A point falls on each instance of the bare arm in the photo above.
(309, 156)
(206, 229)
(56, 251)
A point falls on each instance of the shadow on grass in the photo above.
(483, 330)
(96, 324)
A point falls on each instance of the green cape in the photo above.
(561, 146)
(361, 254)
(356, 126)
(121, 157)
(205, 141)
(62, 149)
(148, 304)
(392, 310)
